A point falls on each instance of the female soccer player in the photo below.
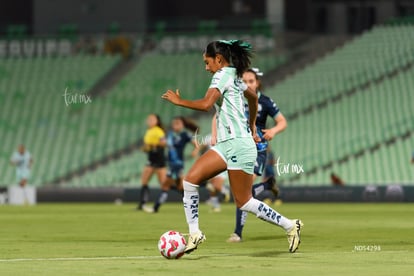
(23, 161)
(266, 108)
(154, 145)
(235, 149)
(177, 139)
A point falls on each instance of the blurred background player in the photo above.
(177, 139)
(266, 108)
(216, 186)
(154, 146)
(269, 170)
(22, 160)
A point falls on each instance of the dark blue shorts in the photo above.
(175, 171)
(260, 163)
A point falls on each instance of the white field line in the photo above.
(97, 258)
(160, 257)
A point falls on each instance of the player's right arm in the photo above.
(14, 159)
(204, 104)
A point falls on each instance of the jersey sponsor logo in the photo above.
(250, 164)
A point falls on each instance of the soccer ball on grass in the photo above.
(172, 244)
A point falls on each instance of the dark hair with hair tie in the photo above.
(236, 52)
(188, 123)
(257, 74)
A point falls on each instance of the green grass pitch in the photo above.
(109, 239)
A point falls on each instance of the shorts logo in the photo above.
(234, 159)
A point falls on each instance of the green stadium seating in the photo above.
(366, 58)
(33, 112)
(374, 115)
(65, 138)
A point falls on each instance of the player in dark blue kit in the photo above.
(266, 108)
(177, 139)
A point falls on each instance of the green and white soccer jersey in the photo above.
(231, 120)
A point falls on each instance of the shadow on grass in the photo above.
(265, 238)
(268, 253)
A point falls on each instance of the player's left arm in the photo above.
(280, 125)
(162, 142)
(279, 119)
(162, 139)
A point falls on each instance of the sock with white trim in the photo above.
(264, 212)
(191, 199)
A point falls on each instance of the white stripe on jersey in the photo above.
(231, 120)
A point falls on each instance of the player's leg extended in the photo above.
(241, 216)
(240, 183)
(163, 196)
(145, 178)
(270, 183)
(217, 183)
(207, 166)
(161, 175)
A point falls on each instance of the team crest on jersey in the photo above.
(237, 82)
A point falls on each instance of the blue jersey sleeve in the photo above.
(272, 108)
(186, 137)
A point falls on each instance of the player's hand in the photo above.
(195, 152)
(171, 96)
(256, 137)
(268, 134)
(213, 140)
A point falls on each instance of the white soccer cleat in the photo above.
(193, 241)
(234, 238)
(293, 235)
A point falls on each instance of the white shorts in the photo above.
(238, 153)
(22, 174)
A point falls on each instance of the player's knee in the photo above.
(193, 177)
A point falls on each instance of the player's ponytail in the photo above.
(188, 124)
(237, 52)
(240, 55)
